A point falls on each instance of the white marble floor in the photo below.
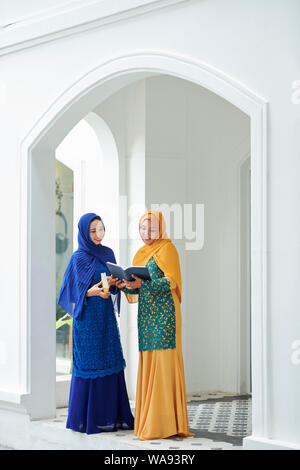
(212, 417)
(218, 420)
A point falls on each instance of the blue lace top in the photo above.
(156, 311)
(97, 347)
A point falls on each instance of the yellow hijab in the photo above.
(162, 250)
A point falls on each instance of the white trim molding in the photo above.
(75, 102)
(11, 397)
(70, 18)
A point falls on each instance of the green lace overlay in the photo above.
(156, 311)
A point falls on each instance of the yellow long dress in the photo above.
(161, 409)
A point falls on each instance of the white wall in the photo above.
(195, 142)
(257, 44)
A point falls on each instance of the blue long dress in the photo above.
(98, 396)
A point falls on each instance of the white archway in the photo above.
(90, 151)
(109, 201)
(37, 157)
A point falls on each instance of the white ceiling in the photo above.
(17, 10)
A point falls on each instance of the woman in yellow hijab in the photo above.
(161, 409)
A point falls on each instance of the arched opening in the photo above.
(38, 151)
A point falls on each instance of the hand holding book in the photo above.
(127, 273)
(135, 284)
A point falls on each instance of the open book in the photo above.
(125, 273)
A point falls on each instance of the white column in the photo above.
(135, 167)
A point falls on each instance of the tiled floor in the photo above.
(219, 422)
(221, 417)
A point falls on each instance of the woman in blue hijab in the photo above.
(98, 396)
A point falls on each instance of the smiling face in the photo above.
(97, 231)
(149, 230)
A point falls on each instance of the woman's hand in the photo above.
(111, 280)
(96, 290)
(120, 284)
(136, 284)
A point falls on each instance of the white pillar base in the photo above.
(260, 443)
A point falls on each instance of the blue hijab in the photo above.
(81, 268)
